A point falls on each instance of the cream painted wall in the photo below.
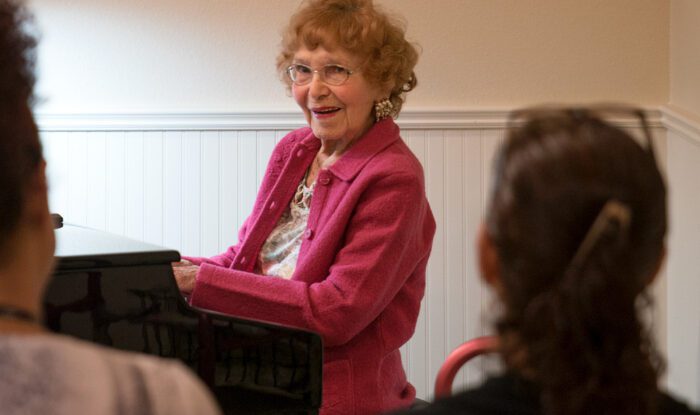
(194, 55)
(685, 56)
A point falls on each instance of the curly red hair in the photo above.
(362, 29)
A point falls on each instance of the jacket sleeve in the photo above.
(225, 258)
(389, 233)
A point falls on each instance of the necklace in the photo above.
(302, 197)
(18, 314)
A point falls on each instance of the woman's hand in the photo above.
(185, 275)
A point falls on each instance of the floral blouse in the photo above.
(278, 256)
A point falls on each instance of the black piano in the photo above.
(121, 293)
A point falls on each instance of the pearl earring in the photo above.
(383, 109)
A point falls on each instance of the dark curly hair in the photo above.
(20, 149)
(576, 332)
(361, 28)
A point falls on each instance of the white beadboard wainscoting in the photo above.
(187, 181)
(683, 266)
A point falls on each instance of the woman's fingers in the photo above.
(185, 276)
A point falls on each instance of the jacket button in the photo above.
(300, 153)
(243, 260)
(272, 205)
(309, 234)
(325, 180)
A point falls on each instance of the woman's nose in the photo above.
(317, 87)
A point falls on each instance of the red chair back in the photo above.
(459, 356)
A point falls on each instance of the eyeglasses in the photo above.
(330, 74)
(615, 114)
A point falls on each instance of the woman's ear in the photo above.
(383, 91)
(488, 259)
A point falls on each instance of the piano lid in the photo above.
(78, 247)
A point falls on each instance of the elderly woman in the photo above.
(341, 230)
(41, 372)
(574, 236)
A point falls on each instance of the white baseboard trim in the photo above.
(673, 119)
(428, 119)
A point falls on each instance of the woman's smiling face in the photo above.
(335, 112)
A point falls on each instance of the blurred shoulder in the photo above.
(82, 377)
(497, 395)
(167, 385)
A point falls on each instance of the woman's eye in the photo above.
(336, 69)
(303, 69)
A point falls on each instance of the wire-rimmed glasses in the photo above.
(330, 74)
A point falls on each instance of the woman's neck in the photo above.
(327, 155)
(19, 320)
(331, 151)
(20, 302)
(15, 327)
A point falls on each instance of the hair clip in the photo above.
(612, 211)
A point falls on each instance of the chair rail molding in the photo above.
(674, 119)
(420, 119)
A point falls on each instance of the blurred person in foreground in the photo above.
(573, 237)
(42, 372)
(341, 229)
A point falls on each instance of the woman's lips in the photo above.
(324, 112)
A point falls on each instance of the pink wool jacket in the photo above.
(360, 275)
